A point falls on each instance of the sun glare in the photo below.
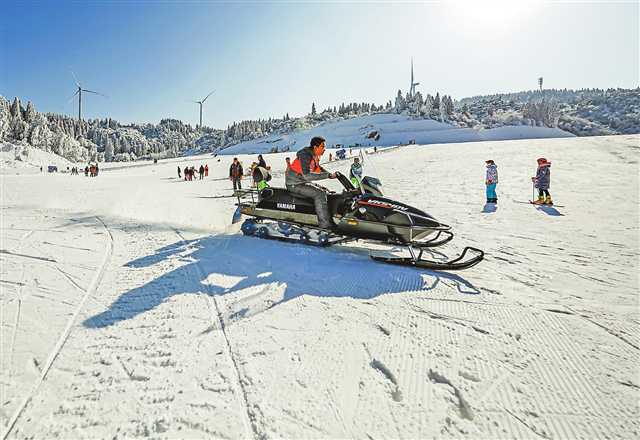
(492, 16)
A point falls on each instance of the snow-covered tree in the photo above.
(30, 113)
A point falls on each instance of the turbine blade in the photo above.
(75, 79)
(208, 96)
(73, 96)
(91, 91)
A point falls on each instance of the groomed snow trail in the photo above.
(197, 332)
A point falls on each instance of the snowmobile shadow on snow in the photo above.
(238, 265)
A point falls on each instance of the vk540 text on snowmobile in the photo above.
(359, 214)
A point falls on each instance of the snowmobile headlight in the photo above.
(362, 210)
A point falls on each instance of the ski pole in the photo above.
(533, 191)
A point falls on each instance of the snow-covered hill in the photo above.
(21, 159)
(130, 307)
(389, 130)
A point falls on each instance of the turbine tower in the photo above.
(79, 93)
(412, 89)
(202, 102)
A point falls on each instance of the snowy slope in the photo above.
(132, 308)
(29, 163)
(393, 130)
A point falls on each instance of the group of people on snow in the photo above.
(190, 172)
(304, 171)
(260, 173)
(91, 170)
(541, 181)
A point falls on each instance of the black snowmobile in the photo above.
(359, 214)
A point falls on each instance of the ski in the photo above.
(546, 204)
(538, 204)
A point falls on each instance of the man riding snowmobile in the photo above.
(303, 171)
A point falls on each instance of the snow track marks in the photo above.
(250, 420)
(95, 282)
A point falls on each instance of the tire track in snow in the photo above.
(250, 417)
(95, 282)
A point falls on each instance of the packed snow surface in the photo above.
(392, 130)
(132, 308)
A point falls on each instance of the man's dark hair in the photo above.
(317, 141)
(235, 158)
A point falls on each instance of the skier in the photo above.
(303, 171)
(206, 170)
(355, 173)
(261, 162)
(179, 174)
(201, 171)
(542, 181)
(491, 180)
(235, 174)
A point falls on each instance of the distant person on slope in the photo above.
(206, 170)
(201, 171)
(235, 174)
(179, 174)
(491, 181)
(355, 173)
(542, 181)
(303, 171)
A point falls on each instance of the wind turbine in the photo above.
(202, 102)
(79, 93)
(412, 89)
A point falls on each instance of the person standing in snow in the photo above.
(261, 162)
(235, 174)
(304, 170)
(261, 176)
(355, 172)
(542, 181)
(206, 170)
(491, 181)
(201, 171)
(179, 174)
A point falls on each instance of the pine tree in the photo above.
(108, 150)
(30, 112)
(16, 109)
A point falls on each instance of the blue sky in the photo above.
(267, 59)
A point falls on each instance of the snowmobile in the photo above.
(359, 214)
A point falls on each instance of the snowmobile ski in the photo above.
(414, 260)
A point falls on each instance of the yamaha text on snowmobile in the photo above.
(359, 214)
